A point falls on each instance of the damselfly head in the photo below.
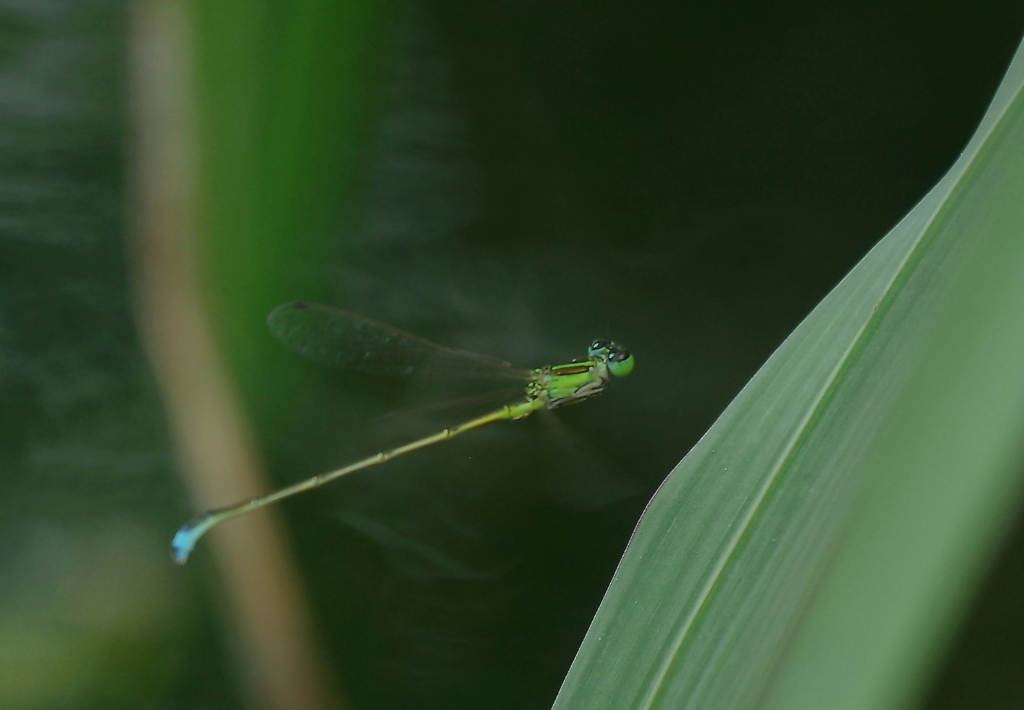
(620, 361)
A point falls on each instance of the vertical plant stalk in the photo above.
(218, 459)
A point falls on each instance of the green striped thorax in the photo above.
(555, 385)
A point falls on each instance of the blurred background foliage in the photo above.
(512, 178)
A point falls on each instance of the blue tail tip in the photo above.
(183, 543)
(181, 546)
(188, 534)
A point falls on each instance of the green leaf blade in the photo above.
(721, 600)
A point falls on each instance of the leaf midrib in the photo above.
(885, 298)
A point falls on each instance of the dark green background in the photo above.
(688, 180)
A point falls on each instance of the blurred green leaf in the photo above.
(817, 545)
(285, 92)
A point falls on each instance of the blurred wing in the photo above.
(330, 336)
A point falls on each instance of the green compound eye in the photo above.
(621, 362)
